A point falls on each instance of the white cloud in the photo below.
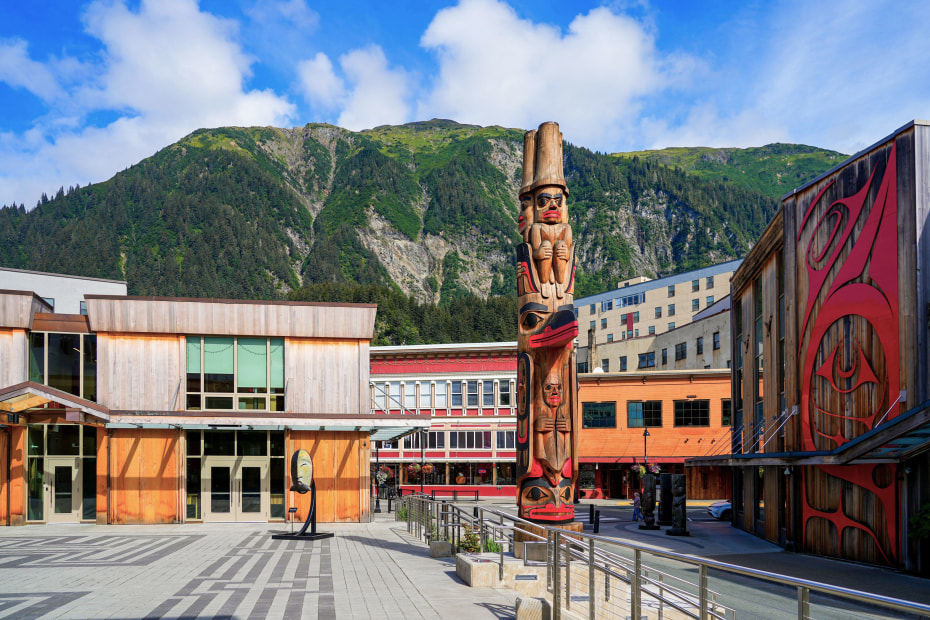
(319, 83)
(20, 71)
(166, 70)
(295, 12)
(495, 68)
(379, 93)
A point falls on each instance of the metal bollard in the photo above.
(597, 521)
(591, 514)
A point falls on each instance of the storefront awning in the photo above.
(18, 401)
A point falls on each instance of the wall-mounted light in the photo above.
(787, 471)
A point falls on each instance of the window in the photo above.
(380, 390)
(442, 395)
(582, 367)
(457, 394)
(699, 348)
(410, 395)
(591, 325)
(470, 440)
(671, 309)
(695, 305)
(425, 397)
(598, 415)
(435, 440)
(709, 301)
(603, 323)
(229, 373)
(636, 332)
(84, 308)
(710, 282)
(623, 363)
(67, 362)
(671, 290)
(472, 394)
(681, 351)
(664, 357)
(50, 301)
(487, 393)
(636, 317)
(503, 394)
(647, 360)
(610, 337)
(726, 412)
(671, 325)
(607, 304)
(629, 334)
(505, 440)
(605, 365)
(652, 330)
(695, 286)
(592, 308)
(692, 413)
(644, 413)
(658, 312)
(716, 340)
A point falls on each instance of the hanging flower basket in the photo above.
(413, 468)
(387, 470)
(637, 469)
(482, 471)
(428, 469)
(654, 469)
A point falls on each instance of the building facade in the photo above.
(64, 294)
(469, 393)
(165, 410)
(628, 325)
(831, 373)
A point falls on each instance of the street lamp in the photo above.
(645, 457)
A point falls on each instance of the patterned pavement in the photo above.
(231, 571)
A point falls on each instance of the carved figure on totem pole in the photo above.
(547, 394)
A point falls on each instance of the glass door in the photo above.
(235, 489)
(63, 490)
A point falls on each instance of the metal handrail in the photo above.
(419, 507)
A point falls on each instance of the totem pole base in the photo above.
(674, 531)
(528, 534)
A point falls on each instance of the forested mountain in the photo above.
(428, 209)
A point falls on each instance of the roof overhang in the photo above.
(380, 427)
(23, 399)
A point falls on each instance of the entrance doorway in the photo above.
(63, 489)
(235, 489)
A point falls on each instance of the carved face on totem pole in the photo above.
(547, 397)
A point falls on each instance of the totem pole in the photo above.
(547, 394)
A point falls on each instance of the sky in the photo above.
(90, 88)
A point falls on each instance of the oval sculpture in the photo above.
(301, 471)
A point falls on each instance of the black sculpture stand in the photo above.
(310, 522)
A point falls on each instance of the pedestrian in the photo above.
(636, 514)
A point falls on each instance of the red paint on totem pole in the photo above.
(862, 476)
(864, 287)
(553, 337)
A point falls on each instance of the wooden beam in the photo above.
(28, 403)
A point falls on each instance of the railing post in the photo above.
(804, 603)
(556, 585)
(702, 591)
(592, 599)
(636, 586)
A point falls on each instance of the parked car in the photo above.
(721, 511)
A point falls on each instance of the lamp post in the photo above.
(377, 471)
(645, 457)
(422, 447)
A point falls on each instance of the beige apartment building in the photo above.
(679, 322)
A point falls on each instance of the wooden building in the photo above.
(831, 387)
(157, 410)
(685, 413)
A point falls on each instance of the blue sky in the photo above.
(90, 88)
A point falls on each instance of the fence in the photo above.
(590, 576)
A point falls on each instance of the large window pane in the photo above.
(218, 358)
(64, 362)
(410, 395)
(692, 412)
(219, 443)
(36, 484)
(90, 367)
(252, 443)
(487, 393)
(276, 348)
(193, 364)
(64, 440)
(599, 415)
(252, 365)
(37, 358)
(634, 414)
(425, 397)
(503, 393)
(442, 396)
(472, 393)
(456, 394)
(89, 490)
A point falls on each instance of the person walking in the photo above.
(636, 503)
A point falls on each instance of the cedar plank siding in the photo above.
(145, 466)
(340, 464)
(141, 372)
(12, 356)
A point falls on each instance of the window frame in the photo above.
(692, 412)
(606, 418)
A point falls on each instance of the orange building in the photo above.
(653, 418)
